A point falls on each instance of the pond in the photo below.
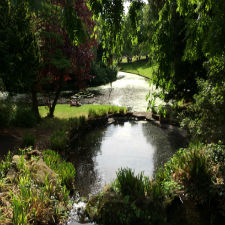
(141, 146)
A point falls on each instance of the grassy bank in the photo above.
(20, 122)
(34, 188)
(142, 68)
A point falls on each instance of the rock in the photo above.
(34, 153)
(149, 117)
(11, 175)
(16, 159)
(40, 171)
(139, 115)
(111, 120)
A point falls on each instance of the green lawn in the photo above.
(142, 68)
(65, 111)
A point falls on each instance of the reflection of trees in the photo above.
(165, 141)
(83, 155)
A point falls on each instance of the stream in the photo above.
(128, 90)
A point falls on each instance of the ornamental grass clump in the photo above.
(65, 170)
(129, 184)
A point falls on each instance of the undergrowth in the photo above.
(31, 192)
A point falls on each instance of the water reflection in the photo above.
(137, 145)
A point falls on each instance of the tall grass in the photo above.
(65, 170)
(64, 111)
(27, 200)
(129, 184)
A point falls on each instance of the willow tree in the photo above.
(205, 35)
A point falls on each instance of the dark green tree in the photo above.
(175, 74)
(19, 51)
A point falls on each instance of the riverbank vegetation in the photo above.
(35, 187)
(189, 189)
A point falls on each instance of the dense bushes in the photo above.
(102, 74)
(18, 114)
(204, 118)
(24, 116)
(6, 112)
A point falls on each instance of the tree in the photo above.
(205, 34)
(66, 46)
(175, 74)
(44, 45)
(19, 52)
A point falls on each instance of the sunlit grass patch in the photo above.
(142, 68)
(65, 111)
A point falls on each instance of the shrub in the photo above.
(28, 140)
(102, 74)
(24, 116)
(6, 112)
(205, 117)
(191, 169)
(58, 140)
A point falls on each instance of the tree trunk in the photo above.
(35, 102)
(52, 106)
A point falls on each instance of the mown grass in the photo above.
(64, 111)
(142, 68)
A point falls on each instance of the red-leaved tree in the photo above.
(67, 41)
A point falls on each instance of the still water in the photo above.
(141, 146)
